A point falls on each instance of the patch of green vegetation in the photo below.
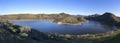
(23, 34)
(24, 29)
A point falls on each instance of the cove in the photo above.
(91, 27)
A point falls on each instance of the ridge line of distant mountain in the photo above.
(107, 18)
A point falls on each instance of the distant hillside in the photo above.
(107, 18)
(71, 20)
(34, 16)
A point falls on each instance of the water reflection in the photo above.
(91, 27)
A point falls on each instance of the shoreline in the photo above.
(80, 23)
(30, 20)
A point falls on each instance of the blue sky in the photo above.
(83, 7)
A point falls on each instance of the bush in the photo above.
(24, 29)
(23, 34)
(68, 36)
(14, 30)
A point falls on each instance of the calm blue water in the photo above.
(90, 27)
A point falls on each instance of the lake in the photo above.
(91, 27)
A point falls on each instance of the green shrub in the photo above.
(68, 36)
(24, 29)
(14, 30)
(23, 34)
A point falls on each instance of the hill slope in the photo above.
(71, 20)
(107, 18)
